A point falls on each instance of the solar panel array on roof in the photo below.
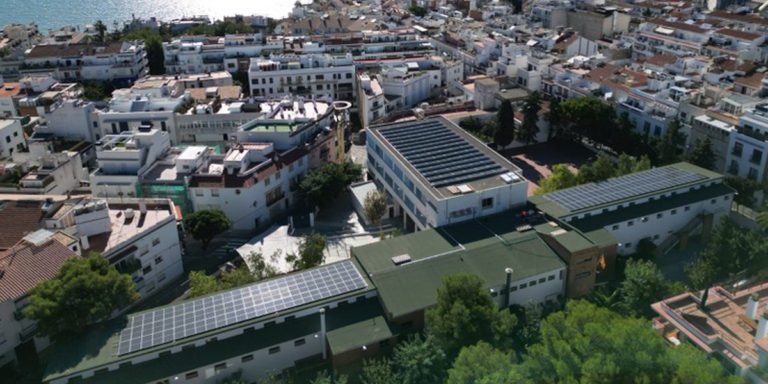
(439, 154)
(622, 187)
(194, 317)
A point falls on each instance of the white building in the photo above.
(663, 205)
(437, 174)
(371, 103)
(135, 109)
(123, 158)
(120, 62)
(22, 270)
(49, 173)
(11, 137)
(315, 74)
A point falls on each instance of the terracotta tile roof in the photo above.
(10, 90)
(733, 65)
(71, 50)
(18, 219)
(27, 264)
(752, 81)
(661, 60)
(721, 14)
(563, 44)
(738, 34)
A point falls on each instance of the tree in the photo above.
(238, 277)
(587, 344)
(530, 331)
(375, 207)
(466, 313)
(477, 362)
(745, 190)
(206, 224)
(378, 371)
(530, 126)
(601, 169)
(85, 291)
(419, 360)
(644, 285)
(562, 177)
(505, 125)
(628, 164)
(101, 30)
(323, 184)
(259, 266)
(762, 220)
(703, 155)
(625, 138)
(311, 252)
(153, 46)
(556, 118)
(323, 377)
(612, 301)
(201, 284)
(590, 117)
(417, 11)
(669, 147)
(693, 366)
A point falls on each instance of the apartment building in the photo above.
(664, 205)
(123, 158)
(729, 325)
(658, 36)
(371, 102)
(736, 44)
(119, 62)
(40, 93)
(11, 137)
(134, 109)
(315, 74)
(45, 172)
(35, 258)
(457, 178)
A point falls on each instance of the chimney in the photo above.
(322, 332)
(84, 243)
(507, 287)
(752, 304)
(762, 327)
(143, 207)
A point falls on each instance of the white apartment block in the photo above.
(120, 62)
(138, 109)
(123, 158)
(49, 173)
(219, 128)
(140, 237)
(320, 75)
(437, 174)
(748, 146)
(11, 137)
(371, 103)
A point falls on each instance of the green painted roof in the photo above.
(355, 336)
(490, 245)
(556, 210)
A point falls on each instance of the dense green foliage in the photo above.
(466, 313)
(644, 285)
(206, 224)
(375, 207)
(325, 183)
(201, 284)
(505, 125)
(703, 155)
(84, 291)
(220, 29)
(483, 131)
(153, 46)
(418, 360)
(671, 144)
(730, 250)
(599, 170)
(378, 371)
(745, 189)
(530, 125)
(476, 362)
(417, 11)
(311, 252)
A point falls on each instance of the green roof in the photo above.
(340, 318)
(598, 222)
(556, 210)
(483, 246)
(99, 348)
(365, 332)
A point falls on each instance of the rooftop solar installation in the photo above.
(442, 156)
(623, 187)
(198, 316)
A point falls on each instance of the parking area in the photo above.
(536, 161)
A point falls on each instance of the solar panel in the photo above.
(439, 154)
(198, 316)
(622, 187)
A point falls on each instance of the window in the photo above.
(101, 371)
(615, 227)
(266, 181)
(155, 241)
(628, 245)
(532, 283)
(512, 289)
(713, 201)
(199, 192)
(630, 223)
(488, 203)
(147, 269)
(220, 367)
(688, 208)
(659, 215)
(725, 198)
(561, 275)
(214, 193)
(583, 275)
(15, 134)
(644, 219)
(551, 277)
(246, 358)
(523, 286)
(299, 342)
(158, 260)
(543, 279)
(301, 162)
(674, 211)
(274, 350)
(655, 237)
(290, 167)
(7, 139)
(190, 375)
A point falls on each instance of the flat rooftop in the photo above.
(443, 156)
(483, 246)
(294, 109)
(124, 229)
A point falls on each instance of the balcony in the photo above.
(28, 332)
(755, 159)
(275, 198)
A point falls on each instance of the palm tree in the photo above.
(613, 302)
(762, 220)
(101, 28)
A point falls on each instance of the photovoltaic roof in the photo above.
(619, 188)
(441, 156)
(168, 324)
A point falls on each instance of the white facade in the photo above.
(122, 62)
(11, 137)
(71, 119)
(318, 75)
(129, 112)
